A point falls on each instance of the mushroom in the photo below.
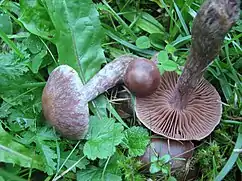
(180, 152)
(65, 99)
(189, 107)
(63, 104)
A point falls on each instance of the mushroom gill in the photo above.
(201, 115)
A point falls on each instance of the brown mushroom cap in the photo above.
(194, 122)
(142, 77)
(176, 149)
(63, 105)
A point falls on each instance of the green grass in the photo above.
(37, 37)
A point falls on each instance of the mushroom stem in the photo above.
(110, 75)
(212, 23)
(140, 76)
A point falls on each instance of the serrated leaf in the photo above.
(36, 19)
(48, 155)
(11, 67)
(16, 153)
(46, 134)
(143, 42)
(5, 110)
(19, 121)
(136, 140)
(103, 135)
(71, 161)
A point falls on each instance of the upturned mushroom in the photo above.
(189, 107)
(180, 152)
(65, 99)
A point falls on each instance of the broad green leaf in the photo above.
(78, 34)
(9, 176)
(99, 106)
(36, 19)
(103, 135)
(34, 44)
(37, 60)
(73, 26)
(145, 21)
(154, 167)
(165, 63)
(136, 140)
(158, 40)
(165, 158)
(16, 153)
(169, 65)
(143, 42)
(6, 24)
(95, 174)
(163, 57)
(170, 49)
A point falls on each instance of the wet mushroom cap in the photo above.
(142, 77)
(193, 122)
(62, 103)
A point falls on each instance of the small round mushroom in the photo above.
(63, 104)
(142, 77)
(65, 99)
(188, 107)
(176, 149)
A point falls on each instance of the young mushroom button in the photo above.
(189, 107)
(142, 77)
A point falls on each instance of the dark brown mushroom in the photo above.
(142, 77)
(188, 107)
(179, 151)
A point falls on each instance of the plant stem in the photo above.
(110, 75)
(212, 23)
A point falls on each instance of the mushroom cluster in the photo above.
(189, 107)
(185, 107)
(65, 99)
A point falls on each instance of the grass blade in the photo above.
(181, 19)
(10, 44)
(232, 159)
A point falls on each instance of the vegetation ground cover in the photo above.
(38, 35)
